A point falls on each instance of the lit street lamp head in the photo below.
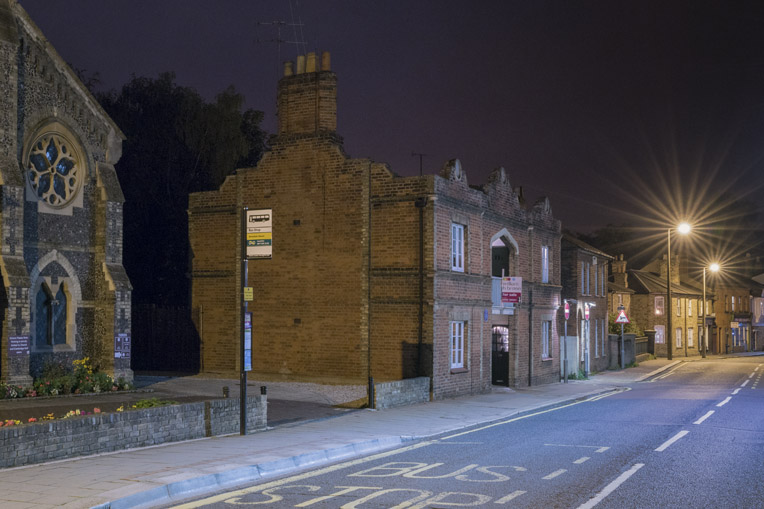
(714, 267)
(684, 228)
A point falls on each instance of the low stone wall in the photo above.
(402, 392)
(94, 434)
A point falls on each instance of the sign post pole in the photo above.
(565, 344)
(242, 370)
(586, 343)
(623, 320)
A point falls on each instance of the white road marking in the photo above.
(757, 368)
(610, 488)
(726, 400)
(745, 383)
(736, 391)
(509, 497)
(581, 460)
(671, 440)
(709, 414)
(599, 448)
(554, 474)
(751, 375)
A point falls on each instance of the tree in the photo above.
(177, 143)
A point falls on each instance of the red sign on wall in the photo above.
(511, 289)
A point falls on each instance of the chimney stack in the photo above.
(307, 96)
(620, 277)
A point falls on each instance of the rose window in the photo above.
(53, 170)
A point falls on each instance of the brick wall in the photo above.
(95, 434)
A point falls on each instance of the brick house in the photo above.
(372, 275)
(584, 275)
(64, 292)
(734, 312)
(648, 307)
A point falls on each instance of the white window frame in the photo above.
(689, 307)
(544, 264)
(659, 305)
(603, 280)
(660, 334)
(596, 334)
(678, 333)
(604, 335)
(457, 344)
(588, 277)
(457, 247)
(690, 338)
(546, 334)
(583, 285)
(678, 306)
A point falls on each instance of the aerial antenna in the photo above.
(421, 156)
(280, 25)
(301, 38)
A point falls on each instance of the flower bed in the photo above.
(57, 379)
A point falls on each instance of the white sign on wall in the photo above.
(259, 233)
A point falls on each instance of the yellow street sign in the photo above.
(249, 294)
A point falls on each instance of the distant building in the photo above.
(64, 292)
(649, 307)
(619, 293)
(373, 275)
(735, 313)
(584, 275)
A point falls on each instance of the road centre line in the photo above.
(745, 383)
(599, 448)
(726, 400)
(554, 474)
(709, 414)
(736, 391)
(610, 488)
(513, 495)
(751, 375)
(581, 460)
(671, 440)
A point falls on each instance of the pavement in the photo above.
(169, 473)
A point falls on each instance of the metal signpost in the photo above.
(256, 243)
(623, 320)
(586, 343)
(565, 343)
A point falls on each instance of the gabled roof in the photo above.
(642, 281)
(580, 244)
(616, 288)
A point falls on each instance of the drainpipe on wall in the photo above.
(530, 309)
(371, 396)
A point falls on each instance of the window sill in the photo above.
(455, 371)
(546, 359)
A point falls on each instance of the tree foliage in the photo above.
(177, 143)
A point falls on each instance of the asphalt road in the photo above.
(692, 437)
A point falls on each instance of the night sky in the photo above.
(618, 111)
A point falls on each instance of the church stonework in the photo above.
(64, 293)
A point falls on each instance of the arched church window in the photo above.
(50, 316)
(54, 169)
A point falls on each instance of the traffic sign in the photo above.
(586, 312)
(622, 318)
(567, 310)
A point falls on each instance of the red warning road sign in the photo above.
(622, 318)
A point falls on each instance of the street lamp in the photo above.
(683, 228)
(714, 267)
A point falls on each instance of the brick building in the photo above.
(372, 274)
(584, 275)
(648, 307)
(64, 292)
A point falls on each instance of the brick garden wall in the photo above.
(95, 434)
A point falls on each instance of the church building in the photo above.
(363, 274)
(64, 293)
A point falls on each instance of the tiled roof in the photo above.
(650, 282)
(566, 237)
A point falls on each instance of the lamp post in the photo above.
(714, 267)
(683, 228)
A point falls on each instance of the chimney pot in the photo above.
(326, 61)
(301, 64)
(288, 68)
(311, 66)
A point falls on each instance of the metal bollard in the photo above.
(263, 390)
